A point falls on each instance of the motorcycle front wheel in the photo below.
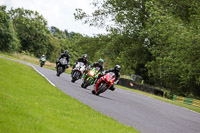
(59, 70)
(75, 76)
(101, 88)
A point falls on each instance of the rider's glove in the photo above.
(103, 73)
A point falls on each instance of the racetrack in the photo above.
(146, 114)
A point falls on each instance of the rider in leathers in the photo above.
(116, 70)
(66, 56)
(96, 64)
(82, 59)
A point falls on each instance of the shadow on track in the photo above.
(101, 96)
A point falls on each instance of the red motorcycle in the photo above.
(104, 83)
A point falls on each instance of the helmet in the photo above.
(84, 56)
(43, 55)
(117, 67)
(101, 61)
(66, 52)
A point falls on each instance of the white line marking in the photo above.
(43, 75)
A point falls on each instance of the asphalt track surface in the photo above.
(146, 114)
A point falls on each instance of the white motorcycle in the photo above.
(77, 72)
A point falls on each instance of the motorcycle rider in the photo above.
(82, 59)
(66, 56)
(96, 64)
(115, 70)
(42, 60)
(43, 56)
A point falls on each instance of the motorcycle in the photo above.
(61, 66)
(78, 71)
(104, 83)
(42, 62)
(90, 77)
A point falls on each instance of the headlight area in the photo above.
(91, 73)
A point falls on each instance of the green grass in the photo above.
(28, 103)
(32, 60)
(191, 107)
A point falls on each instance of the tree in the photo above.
(128, 19)
(31, 30)
(8, 39)
(158, 37)
(175, 48)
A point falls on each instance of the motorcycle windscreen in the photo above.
(43, 59)
(97, 69)
(111, 76)
(80, 66)
(63, 61)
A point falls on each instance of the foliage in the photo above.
(8, 39)
(31, 30)
(157, 39)
(37, 39)
(175, 47)
(126, 45)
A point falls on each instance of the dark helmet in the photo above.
(84, 56)
(101, 61)
(117, 67)
(66, 52)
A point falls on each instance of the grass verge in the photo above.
(32, 60)
(28, 103)
(191, 107)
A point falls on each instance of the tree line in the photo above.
(156, 39)
(26, 31)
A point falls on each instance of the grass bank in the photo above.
(32, 60)
(28, 103)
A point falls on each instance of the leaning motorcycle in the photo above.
(42, 62)
(90, 77)
(77, 72)
(104, 83)
(61, 66)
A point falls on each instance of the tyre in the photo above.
(58, 74)
(101, 88)
(87, 83)
(73, 80)
(93, 91)
(59, 70)
(82, 85)
(41, 64)
(75, 77)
